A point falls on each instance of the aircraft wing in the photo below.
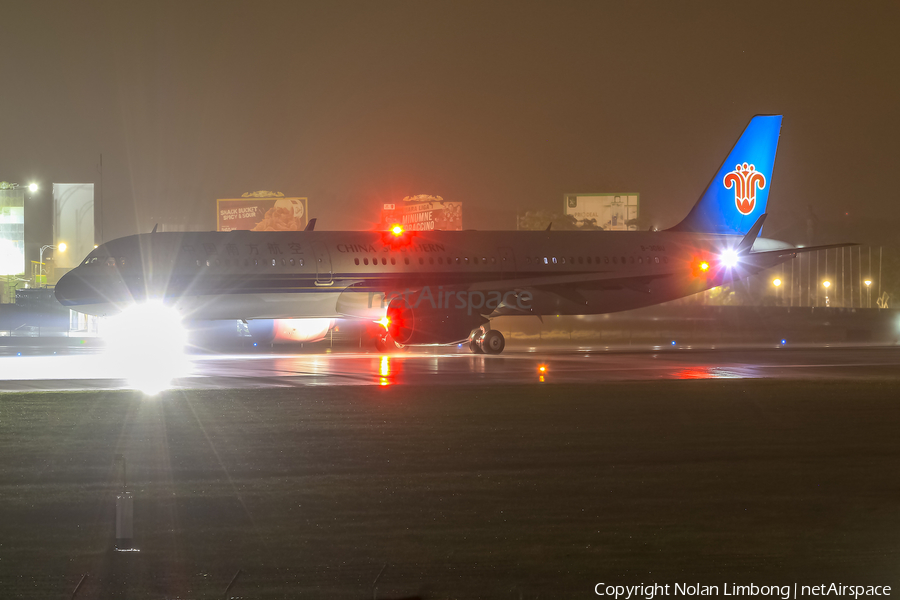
(796, 251)
(584, 280)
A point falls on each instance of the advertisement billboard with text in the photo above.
(423, 216)
(261, 214)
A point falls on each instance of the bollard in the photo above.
(124, 521)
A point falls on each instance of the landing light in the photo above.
(729, 258)
(384, 322)
(145, 346)
(704, 266)
(397, 230)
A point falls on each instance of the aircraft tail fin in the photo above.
(736, 197)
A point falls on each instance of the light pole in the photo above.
(826, 284)
(868, 283)
(61, 247)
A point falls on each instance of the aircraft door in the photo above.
(324, 275)
(507, 263)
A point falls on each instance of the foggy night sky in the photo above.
(497, 105)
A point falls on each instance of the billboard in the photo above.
(607, 211)
(12, 231)
(423, 213)
(261, 211)
(73, 222)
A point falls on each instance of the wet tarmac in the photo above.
(96, 371)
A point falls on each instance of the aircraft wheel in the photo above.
(475, 341)
(385, 343)
(381, 344)
(492, 342)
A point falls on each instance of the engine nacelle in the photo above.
(412, 322)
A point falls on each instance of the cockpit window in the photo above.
(110, 262)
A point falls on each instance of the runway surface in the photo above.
(99, 371)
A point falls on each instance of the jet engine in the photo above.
(412, 321)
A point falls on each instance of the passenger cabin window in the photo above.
(406, 261)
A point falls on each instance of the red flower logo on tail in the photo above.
(746, 180)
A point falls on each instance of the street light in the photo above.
(776, 282)
(868, 283)
(61, 247)
(827, 284)
(32, 187)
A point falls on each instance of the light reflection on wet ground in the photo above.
(92, 371)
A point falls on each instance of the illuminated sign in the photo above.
(273, 213)
(607, 211)
(12, 231)
(430, 215)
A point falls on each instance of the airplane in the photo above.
(445, 287)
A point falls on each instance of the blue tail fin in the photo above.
(737, 195)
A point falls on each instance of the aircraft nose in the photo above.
(71, 289)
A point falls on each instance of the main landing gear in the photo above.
(385, 343)
(486, 341)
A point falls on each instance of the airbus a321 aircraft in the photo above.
(441, 287)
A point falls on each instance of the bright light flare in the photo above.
(704, 266)
(827, 284)
(868, 282)
(384, 322)
(776, 282)
(32, 187)
(397, 230)
(62, 246)
(145, 346)
(729, 258)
